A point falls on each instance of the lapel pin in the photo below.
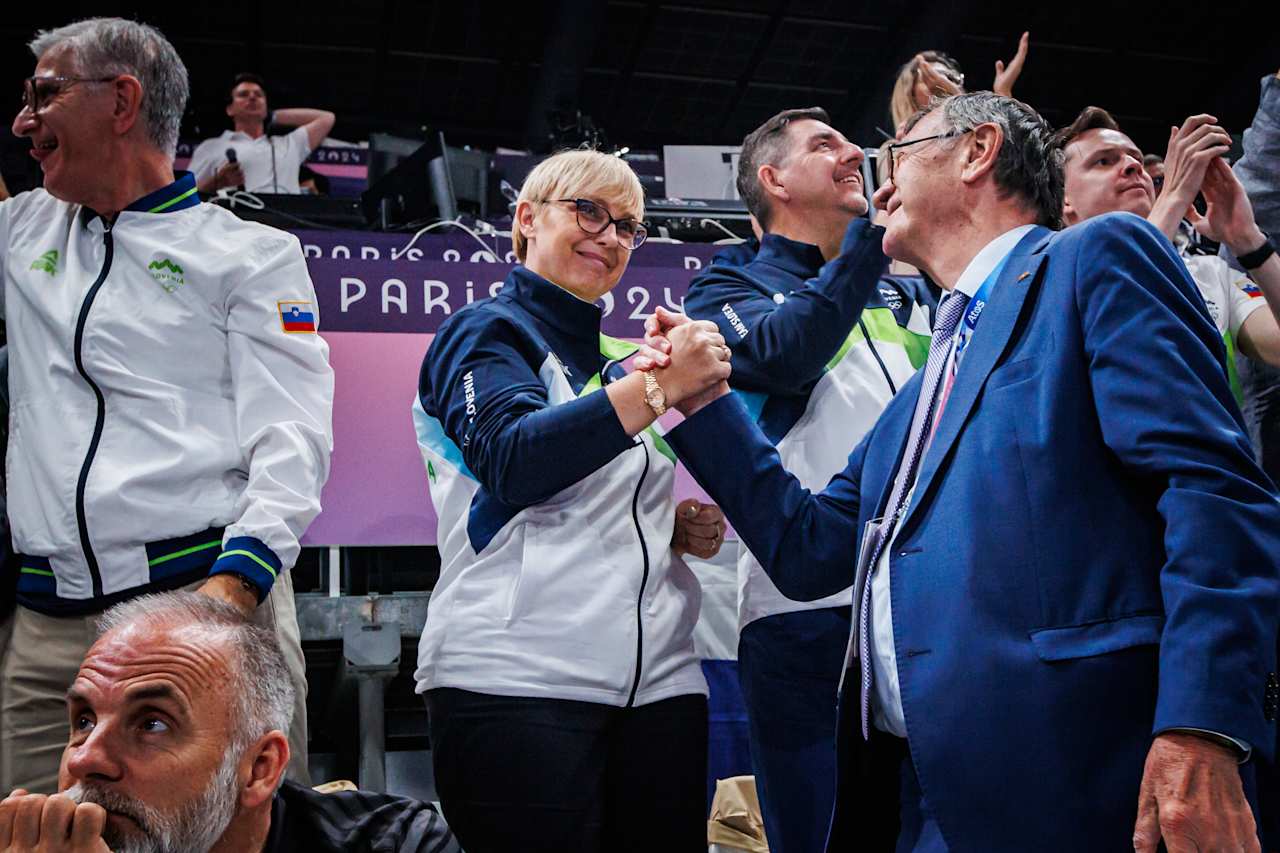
(1024, 275)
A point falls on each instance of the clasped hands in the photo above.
(689, 358)
(1194, 164)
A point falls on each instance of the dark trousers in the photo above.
(881, 807)
(789, 667)
(521, 775)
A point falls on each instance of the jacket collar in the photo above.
(800, 259)
(553, 305)
(178, 195)
(987, 260)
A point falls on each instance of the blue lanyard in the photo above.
(975, 309)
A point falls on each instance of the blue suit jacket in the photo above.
(1090, 556)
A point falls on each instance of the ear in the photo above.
(128, 105)
(265, 762)
(983, 147)
(525, 214)
(1069, 214)
(771, 182)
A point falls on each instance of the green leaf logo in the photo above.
(166, 273)
(163, 264)
(48, 262)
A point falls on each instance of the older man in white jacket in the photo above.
(171, 401)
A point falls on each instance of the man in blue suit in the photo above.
(1065, 555)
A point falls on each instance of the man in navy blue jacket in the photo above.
(1066, 551)
(821, 342)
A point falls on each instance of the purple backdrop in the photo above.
(379, 309)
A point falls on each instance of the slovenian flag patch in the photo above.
(1251, 290)
(297, 317)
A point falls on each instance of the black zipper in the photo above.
(92, 561)
(893, 389)
(644, 578)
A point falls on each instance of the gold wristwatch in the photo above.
(653, 394)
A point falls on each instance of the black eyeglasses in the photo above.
(38, 90)
(893, 149)
(595, 218)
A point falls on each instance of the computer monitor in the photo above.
(386, 151)
(460, 181)
(405, 194)
(701, 171)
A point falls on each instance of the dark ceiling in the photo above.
(647, 73)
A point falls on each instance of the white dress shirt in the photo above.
(270, 163)
(886, 699)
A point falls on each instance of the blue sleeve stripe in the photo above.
(261, 562)
(245, 555)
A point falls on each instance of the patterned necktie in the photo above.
(949, 314)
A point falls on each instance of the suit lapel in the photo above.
(894, 425)
(990, 340)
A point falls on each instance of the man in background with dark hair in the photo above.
(821, 343)
(262, 163)
(1062, 551)
(1104, 172)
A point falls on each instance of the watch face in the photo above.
(655, 397)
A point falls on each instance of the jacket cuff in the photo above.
(1243, 750)
(244, 555)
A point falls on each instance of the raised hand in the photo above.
(938, 84)
(1007, 75)
(1192, 147)
(656, 348)
(1228, 216)
(699, 365)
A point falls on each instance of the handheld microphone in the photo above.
(231, 158)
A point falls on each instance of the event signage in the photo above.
(381, 300)
(368, 282)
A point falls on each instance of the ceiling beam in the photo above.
(753, 64)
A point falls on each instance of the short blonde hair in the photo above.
(580, 174)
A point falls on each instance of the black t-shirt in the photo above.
(304, 821)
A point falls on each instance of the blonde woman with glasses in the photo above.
(568, 708)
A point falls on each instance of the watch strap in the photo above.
(1257, 257)
(650, 386)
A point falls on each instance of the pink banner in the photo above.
(377, 490)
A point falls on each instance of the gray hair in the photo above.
(262, 690)
(105, 46)
(1028, 164)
